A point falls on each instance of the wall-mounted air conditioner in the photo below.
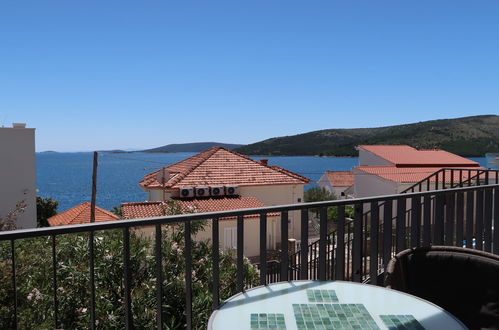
(186, 192)
(232, 190)
(202, 191)
(217, 191)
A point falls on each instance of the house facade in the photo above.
(219, 173)
(17, 173)
(340, 183)
(390, 169)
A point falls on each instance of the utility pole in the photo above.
(94, 188)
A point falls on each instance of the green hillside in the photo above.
(191, 147)
(467, 136)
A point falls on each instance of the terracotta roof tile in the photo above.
(218, 166)
(408, 174)
(156, 209)
(340, 178)
(406, 156)
(80, 214)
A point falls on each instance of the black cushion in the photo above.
(465, 284)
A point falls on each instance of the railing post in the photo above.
(487, 220)
(459, 218)
(322, 243)
(400, 230)
(284, 246)
(263, 249)
(188, 274)
(14, 279)
(304, 245)
(427, 206)
(449, 218)
(215, 250)
(92, 279)
(357, 245)
(439, 219)
(127, 279)
(159, 278)
(496, 221)
(415, 221)
(340, 245)
(54, 284)
(470, 219)
(387, 232)
(373, 264)
(479, 219)
(240, 253)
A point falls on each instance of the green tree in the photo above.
(117, 210)
(35, 287)
(45, 208)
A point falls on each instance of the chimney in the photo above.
(18, 125)
(264, 161)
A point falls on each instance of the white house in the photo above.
(390, 169)
(17, 172)
(340, 183)
(221, 179)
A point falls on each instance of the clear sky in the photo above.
(133, 74)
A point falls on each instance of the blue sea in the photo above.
(67, 177)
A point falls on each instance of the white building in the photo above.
(340, 183)
(390, 169)
(17, 172)
(220, 179)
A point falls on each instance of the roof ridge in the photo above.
(284, 171)
(207, 153)
(79, 213)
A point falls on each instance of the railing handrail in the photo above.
(120, 224)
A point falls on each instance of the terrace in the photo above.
(463, 210)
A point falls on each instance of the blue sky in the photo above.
(131, 74)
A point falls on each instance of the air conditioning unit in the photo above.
(217, 191)
(202, 191)
(186, 192)
(232, 190)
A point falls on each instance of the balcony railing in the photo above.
(358, 250)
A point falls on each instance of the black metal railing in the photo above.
(358, 250)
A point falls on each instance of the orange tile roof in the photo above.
(340, 178)
(218, 166)
(80, 214)
(406, 156)
(409, 174)
(214, 204)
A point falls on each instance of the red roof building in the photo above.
(219, 166)
(81, 214)
(160, 208)
(389, 169)
(406, 156)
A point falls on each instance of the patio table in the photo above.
(329, 305)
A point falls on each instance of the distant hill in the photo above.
(467, 136)
(192, 147)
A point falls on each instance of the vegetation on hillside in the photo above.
(192, 147)
(468, 136)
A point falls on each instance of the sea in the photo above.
(67, 177)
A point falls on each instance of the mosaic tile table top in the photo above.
(305, 305)
(333, 316)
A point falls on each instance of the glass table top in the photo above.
(329, 305)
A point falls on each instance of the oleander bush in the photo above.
(35, 285)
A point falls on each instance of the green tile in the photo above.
(322, 296)
(400, 322)
(268, 321)
(333, 316)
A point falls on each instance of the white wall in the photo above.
(367, 158)
(367, 185)
(17, 173)
(325, 183)
(279, 195)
